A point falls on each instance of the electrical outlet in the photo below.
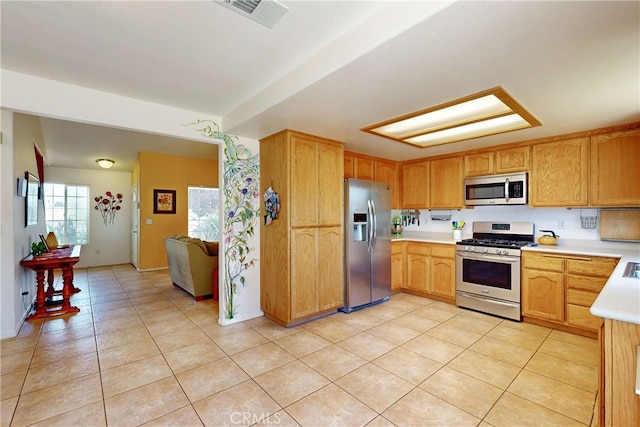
(561, 224)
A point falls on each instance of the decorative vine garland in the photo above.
(241, 209)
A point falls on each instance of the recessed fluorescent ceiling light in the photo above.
(486, 113)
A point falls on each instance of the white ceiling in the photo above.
(330, 67)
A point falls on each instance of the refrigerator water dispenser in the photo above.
(359, 227)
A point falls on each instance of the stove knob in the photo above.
(498, 251)
(485, 250)
(505, 252)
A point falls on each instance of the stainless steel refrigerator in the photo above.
(367, 243)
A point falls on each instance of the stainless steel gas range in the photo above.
(488, 267)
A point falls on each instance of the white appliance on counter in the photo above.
(367, 243)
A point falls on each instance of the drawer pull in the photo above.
(577, 258)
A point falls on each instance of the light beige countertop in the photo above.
(620, 297)
(425, 236)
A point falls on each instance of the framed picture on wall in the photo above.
(164, 201)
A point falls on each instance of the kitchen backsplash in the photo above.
(543, 218)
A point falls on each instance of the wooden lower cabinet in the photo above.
(417, 266)
(430, 270)
(442, 271)
(619, 404)
(397, 266)
(559, 289)
(315, 290)
(301, 252)
(582, 291)
(543, 294)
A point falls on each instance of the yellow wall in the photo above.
(164, 172)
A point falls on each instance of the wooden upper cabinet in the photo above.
(559, 173)
(358, 166)
(446, 183)
(302, 252)
(615, 172)
(478, 164)
(512, 160)
(363, 167)
(330, 190)
(386, 171)
(432, 184)
(316, 194)
(304, 182)
(374, 169)
(497, 162)
(348, 166)
(414, 185)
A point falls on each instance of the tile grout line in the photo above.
(272, 340)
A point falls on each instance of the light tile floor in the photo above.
(143, 352)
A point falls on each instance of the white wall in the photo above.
(18, 138)
(543, 218)
(48, 98)
(109, 244)
(246, 291)
(8, 267)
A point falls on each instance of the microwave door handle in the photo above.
(506, 190)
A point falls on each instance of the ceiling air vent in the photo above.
(266, 12)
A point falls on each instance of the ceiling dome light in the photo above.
(105, 163)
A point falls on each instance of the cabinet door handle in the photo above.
(577, 258)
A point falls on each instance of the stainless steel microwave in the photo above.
(507, 189)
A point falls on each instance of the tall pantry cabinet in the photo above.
(302, 251)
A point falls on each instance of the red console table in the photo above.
(64, 259)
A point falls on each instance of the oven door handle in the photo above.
(503, 259)
(491, 300)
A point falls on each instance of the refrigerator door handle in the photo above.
(374, 226)
(369, 223)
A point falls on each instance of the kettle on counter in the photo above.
(548, 240)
